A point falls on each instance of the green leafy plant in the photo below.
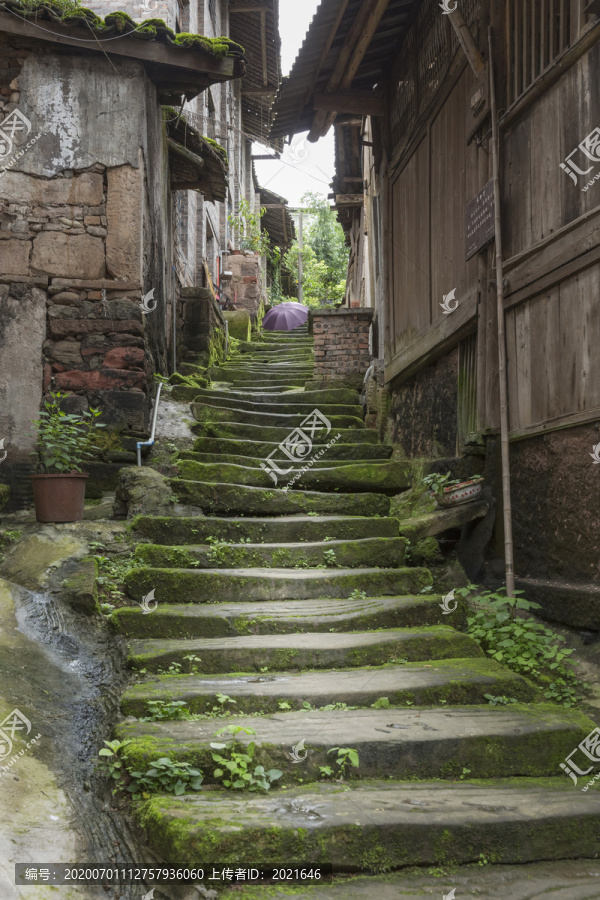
(358, 595)
(192, 661)
(235, 762)
(524, 645)
(500, 700)
(160, 710)
(112, 760)
(246, 226)
(325, 771)
(464, 773)
(164, 775)
(345, 756)
(382, 703)
(330, 557)
(217, 552)
(64, 440)
(437, 483)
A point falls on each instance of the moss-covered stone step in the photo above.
(379, 825)
(310, 650)
(389, 478)
(216, 585)
(290, 617)
(384, 552)
(235, 431)
(204, 413)
(455, 681)
(240, 376)
(528, 741)
(287, 529)
(334, 396)
(264, 448)
(189, 394)
(419, 527)
(255, 462)
(235, 500)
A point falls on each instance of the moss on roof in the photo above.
(172, 117)
(70, 12)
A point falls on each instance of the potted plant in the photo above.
(448, 491)
(64, 441)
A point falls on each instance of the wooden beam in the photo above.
(263, 44)
(349, 179)
(260, 91)
(349, 199)
(363, 103)
(465, 39)
(153, 52)
(257, 6)
(350, 57)
(324, 53)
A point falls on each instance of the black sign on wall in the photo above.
(480, 220)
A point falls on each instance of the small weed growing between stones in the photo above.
(345, 756)
(234, 763)
(501, 700)
(166, 776)
(166, 709)
(330, 557)
(382, 703)
(524, 645)
(218, 549)
(358, 595)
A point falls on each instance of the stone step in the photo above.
(313, 650)
(439, 520)
(235, 500)
(262, 388)
(261, 347)
(380, 825)
(314, 398)
(393, 743)
(290, 529)
(457, 680)
(290, 617)
(251, 462)
(388, 478)
(385, 552)
(215, 585)
(205, 413)
(225, 401)
(271, 433)
(262, 449)
(241, 376)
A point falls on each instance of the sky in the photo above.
(303, 166)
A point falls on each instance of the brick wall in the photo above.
(341, 342)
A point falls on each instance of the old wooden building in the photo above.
(406, 85)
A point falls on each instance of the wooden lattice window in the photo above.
(537, 32)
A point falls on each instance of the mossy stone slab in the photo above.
(290, 617)
(262, 449)
(234, 431)
(215, 414)
(214, 585)
(379, 825)
(288, 529)
(235, 500)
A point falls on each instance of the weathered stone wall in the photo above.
(247, 285)
(341, 342)
(556, 506)
(422, 412)
(83, 232)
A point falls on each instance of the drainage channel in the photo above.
(66, 674)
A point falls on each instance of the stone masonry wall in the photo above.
(246, 288)
(341, 342)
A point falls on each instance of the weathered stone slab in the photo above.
(76, 255)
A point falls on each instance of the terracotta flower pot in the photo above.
(59, 498)
(459, 493)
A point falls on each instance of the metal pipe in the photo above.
(506, 501)
(174, 301)
(226, 339)
(150, 443)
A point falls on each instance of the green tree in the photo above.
(325, 254)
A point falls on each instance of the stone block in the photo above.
(100, 379)
(14, 257)
(124, 214)
(70, 256)
(125, 358)
(67, 352)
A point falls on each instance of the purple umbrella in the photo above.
(285, 317)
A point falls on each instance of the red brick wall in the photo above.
(341, 342)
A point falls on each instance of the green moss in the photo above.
(218, 46)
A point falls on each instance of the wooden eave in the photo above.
(194, 164)
(277, 220)
(255, 25)
(174, 70)
(331, 46)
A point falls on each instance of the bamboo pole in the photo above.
(506, 501)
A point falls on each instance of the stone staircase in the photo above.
(303, 611)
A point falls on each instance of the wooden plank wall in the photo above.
(553, 333)
(429, 196)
